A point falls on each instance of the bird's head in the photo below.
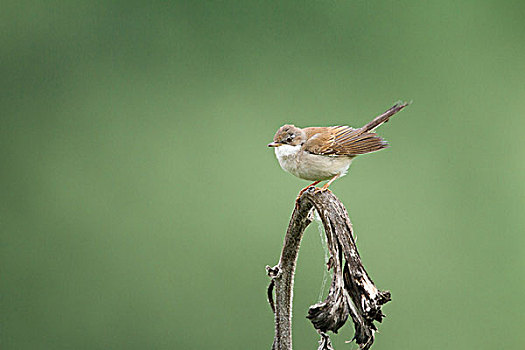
(288, 135)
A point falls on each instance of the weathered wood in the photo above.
(352, 292)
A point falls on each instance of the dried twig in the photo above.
(352, 292)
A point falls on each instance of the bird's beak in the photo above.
(274, 144)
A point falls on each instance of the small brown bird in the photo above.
(325, 153)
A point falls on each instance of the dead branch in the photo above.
(352, 292)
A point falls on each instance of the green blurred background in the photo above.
(140, 204)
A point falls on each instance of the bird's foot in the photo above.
(322, 189)
(305, 189)
(326, 185)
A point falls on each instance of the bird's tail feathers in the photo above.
(383, 118)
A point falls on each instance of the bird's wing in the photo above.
(342, 141)
(347, 141)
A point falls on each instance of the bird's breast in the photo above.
(288, 157)
(310, 166)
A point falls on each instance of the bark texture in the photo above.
(352, 292)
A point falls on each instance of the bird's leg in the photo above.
(304, 189)
(325, 187)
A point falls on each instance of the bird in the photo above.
(325, 153)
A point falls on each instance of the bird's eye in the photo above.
(290, 138)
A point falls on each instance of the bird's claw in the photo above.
(322, 189)
(306, 189)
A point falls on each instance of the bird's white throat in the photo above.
(286, 151)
